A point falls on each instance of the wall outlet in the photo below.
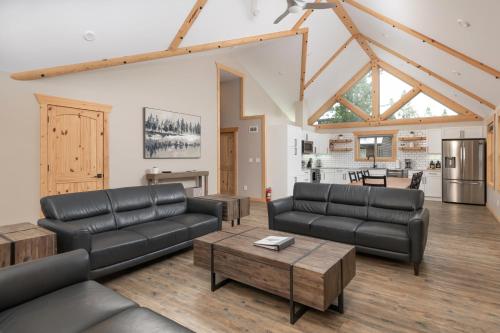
(250, 160)
(245, 188)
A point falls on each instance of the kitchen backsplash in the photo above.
(420, 160)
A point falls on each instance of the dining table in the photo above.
(394, 182)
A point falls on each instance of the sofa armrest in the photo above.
(204, 206)
(26, 281)
(418, 227)
(277, 207)
(69, 237)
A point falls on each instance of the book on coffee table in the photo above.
(275, 243)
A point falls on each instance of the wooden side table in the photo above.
(233, 207)
(24, 242)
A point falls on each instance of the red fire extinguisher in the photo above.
(268, 194)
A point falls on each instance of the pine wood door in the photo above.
(75, 150)
(228, 172)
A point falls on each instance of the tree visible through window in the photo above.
(360, 94)
(422, 106)
(391, 90)
(338, 113)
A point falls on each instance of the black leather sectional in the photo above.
(386, 222)
(123, 227)
(53, 294)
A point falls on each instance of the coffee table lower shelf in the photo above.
(311, 274)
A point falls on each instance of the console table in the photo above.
(201, 177)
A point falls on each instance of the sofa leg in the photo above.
(416, 268)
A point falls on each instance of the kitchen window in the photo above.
(378, 145)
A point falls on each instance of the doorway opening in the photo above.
(241, 140)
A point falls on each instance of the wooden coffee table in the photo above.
(311, 273)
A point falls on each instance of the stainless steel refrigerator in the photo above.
(464, 171)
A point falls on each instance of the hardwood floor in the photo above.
(458, 289)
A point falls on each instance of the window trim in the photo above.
(364, 134)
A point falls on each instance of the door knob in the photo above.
(99, 175)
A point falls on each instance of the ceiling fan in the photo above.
(295, 6)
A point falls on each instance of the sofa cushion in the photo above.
(348, 200)
(88, 210)
(336, 228)
(170, 199)
(132, 205)
(112, 247)
(197, 224)
(394, 205)
(310, 198)
(385, 236)
(138, 320)
(295, 221)
(71, 309)
(161, 234)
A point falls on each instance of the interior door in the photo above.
(228, 163)
(75, 151)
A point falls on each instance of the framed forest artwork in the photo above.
(170, 134)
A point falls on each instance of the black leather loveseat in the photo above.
(123, 227)
(382, 221)
(53, 295)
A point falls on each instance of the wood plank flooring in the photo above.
(458, 289)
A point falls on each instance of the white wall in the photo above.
(249, 144)
(183, 84)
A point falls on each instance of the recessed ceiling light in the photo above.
(457, 73)
(89, 36)
(463, 23)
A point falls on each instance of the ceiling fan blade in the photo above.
(321, 5)
(281, 17)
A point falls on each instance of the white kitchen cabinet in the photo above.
(434, 140)
(467, 132)
(433, 184)
(294, 137)
(321, 142)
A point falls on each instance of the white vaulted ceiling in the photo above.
(44, 33)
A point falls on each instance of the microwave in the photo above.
(307, 147)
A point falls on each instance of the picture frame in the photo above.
(170, 135)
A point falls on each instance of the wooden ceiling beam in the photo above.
(354, 108)
(188, 22)
(303, 18)
(426, 39)
(118, 61)
(431, 73)
(328, 62)
(316, 115)
(375, 91)
(427, 90)
(303, 62)
(400, 103)
(342, 14)
(395, 122)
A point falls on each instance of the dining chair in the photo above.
(366, 172)
(360, 174)
(415, 180)
(352, 176)
(375, 181)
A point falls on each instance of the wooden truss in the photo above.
(377, 119)
(365, 43)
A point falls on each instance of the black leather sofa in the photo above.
(386, 222)
(123, 227)
(54, 294)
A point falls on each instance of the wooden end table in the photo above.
(234, 207)
(312, 273)
(24, 242)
